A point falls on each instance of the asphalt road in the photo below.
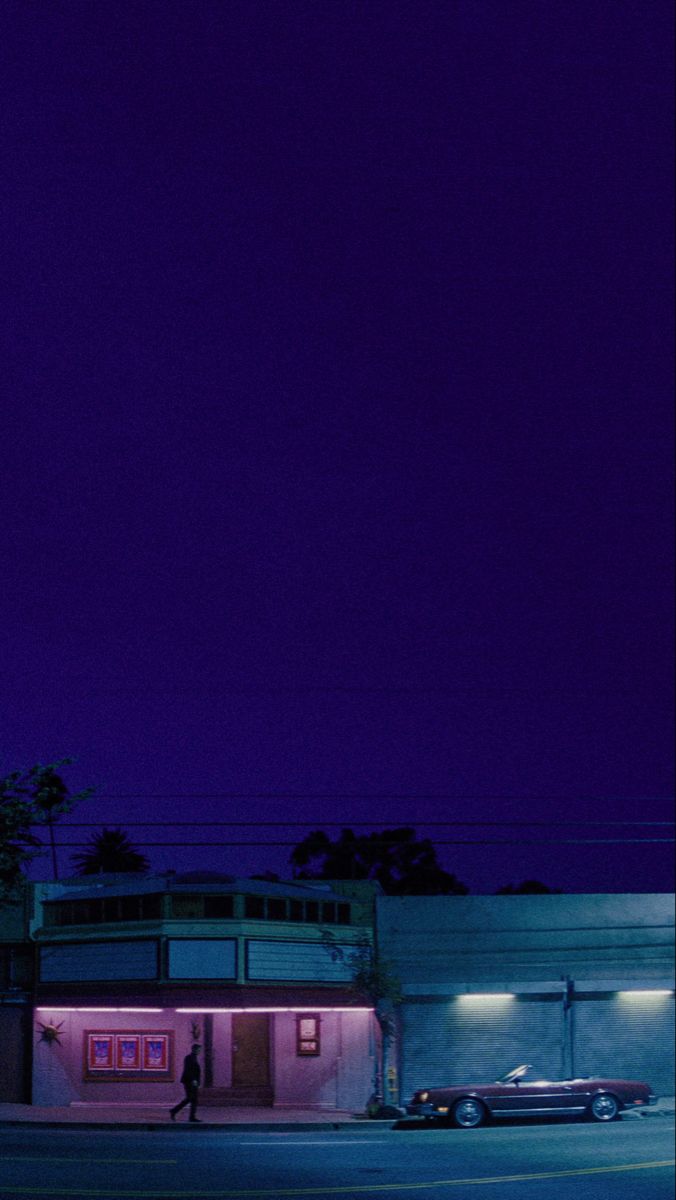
(519, 1162)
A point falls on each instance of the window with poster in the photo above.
(307, 1034)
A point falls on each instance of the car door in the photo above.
(519, 1099)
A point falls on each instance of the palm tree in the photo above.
(51, 797)
(109, 850)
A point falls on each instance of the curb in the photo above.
(205, 1126)
(185, 1127)
(660, 1112)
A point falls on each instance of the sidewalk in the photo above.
(665, 1107)
(100, 1116)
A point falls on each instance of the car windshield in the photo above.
(514, 1074)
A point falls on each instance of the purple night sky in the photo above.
(337, 447)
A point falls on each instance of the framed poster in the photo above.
(307, 1034)
(127, 1052)
(100, 1052)
(156, 1052)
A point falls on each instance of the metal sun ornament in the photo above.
(50, 1032)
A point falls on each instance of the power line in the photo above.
(317, 795)
(437, 842)
(357, 824)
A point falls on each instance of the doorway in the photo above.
(250, 1050)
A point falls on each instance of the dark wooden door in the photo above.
(250, 1050)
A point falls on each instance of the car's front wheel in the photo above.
(604, 1107)
(468, 1113)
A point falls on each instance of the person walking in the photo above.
(190, 1079)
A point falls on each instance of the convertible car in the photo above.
(516, 1095)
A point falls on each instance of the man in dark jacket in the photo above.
(191, 1081)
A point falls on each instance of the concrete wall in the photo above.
(340, 1077)
(442, 943)
(58, 1066)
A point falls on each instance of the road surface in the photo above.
(519, 1162)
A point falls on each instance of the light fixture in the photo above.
(141, 1010)
(486, 996)
(646, 992)
(271, 1009)
(60, 1008)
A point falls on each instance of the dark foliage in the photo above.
(29, 799)
(529, 887)
(109, 851)
(400, 862)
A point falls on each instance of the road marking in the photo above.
(362, 1189)
(337, 1145)
(45, 1158)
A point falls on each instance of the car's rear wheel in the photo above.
(468, 1113)
(604, 1107)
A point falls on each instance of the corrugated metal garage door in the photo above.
(625, 1035)
(467, 1040)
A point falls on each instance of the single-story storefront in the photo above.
(314, 1055)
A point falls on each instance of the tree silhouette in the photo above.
(28, 799)
(373, 980)
(401, 863)
(109, 850)
(51, 797)
(529, 887)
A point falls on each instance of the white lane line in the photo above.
(47, 1158)
(337, 1143)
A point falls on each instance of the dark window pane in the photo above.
(329, 913)
(311, 910)
(218, 906)
(254, 907)
(296, 910)
(111, 909)
(130, 908)
(277, 910)
(187, 908)
(151, 908)
(86, 912)
(343, 914)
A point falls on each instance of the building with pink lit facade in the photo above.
(132, 970)
(106, 982)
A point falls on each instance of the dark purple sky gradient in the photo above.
(337, 448)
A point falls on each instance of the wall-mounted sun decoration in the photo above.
(50, 1032)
